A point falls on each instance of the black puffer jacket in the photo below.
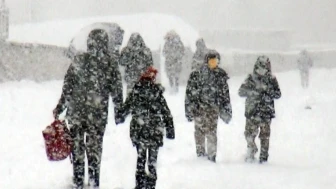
(150, 114)
(260, 90)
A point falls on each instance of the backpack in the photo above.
(58, 141)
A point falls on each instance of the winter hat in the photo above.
(149, 74)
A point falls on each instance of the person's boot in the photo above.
(200, 151)
(140, 181)
(263, 160)
(78, 183)
(212, 158)
(93, 178)
(250, 155)
(151, 182)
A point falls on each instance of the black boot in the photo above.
(151, 182)
(263, 160)
(140, 181)
(93, 178)
(78, 183)
(212, 158)
(201, 154)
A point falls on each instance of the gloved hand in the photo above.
(189, 118)
(56, 113)
(119, 118)
(170, 133)
(225, 117)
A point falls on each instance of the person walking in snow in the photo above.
(207, 97)
(173, 51)
(260, 89)
(199, 55)
(150, 117)
(136, 58)
(304, 64)
(88, 83)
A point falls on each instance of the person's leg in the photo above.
(251, 131)
(265, 133)
(78, 156)
(140, 175)
(152, 160)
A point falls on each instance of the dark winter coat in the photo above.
(173, 51)
(198, 58)
(89, 82)
(150, 114)
(260, 90)
(208, 88)
(136, 58)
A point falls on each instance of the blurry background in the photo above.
(309, 21)
(240, 30)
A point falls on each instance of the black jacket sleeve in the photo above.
(167, 118)
(68, 85)
(115, 88)
(124, 56)
(274, 91)
(225, 108)
(190, 101)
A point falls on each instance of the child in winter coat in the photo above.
(260, 89)
(150, 117)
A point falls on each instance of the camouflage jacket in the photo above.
(260, 92)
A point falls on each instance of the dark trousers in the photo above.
(144, 180)
(252, 128)
(89, 140)
(206, 129)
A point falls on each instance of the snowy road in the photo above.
(301, 152)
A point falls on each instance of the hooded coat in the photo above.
(260, 91)
(173, 51)
(136, 58)
(198, 57)
(90, 80)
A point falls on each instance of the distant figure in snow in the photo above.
(173, 51)
(207, 98)
(89, 82)
(260, 89)
(304, 65)
(136, 58)
(199, 55)
(151, 118)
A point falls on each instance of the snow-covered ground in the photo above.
(149, 25)
(302, 155)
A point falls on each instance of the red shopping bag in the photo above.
(58, 141)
